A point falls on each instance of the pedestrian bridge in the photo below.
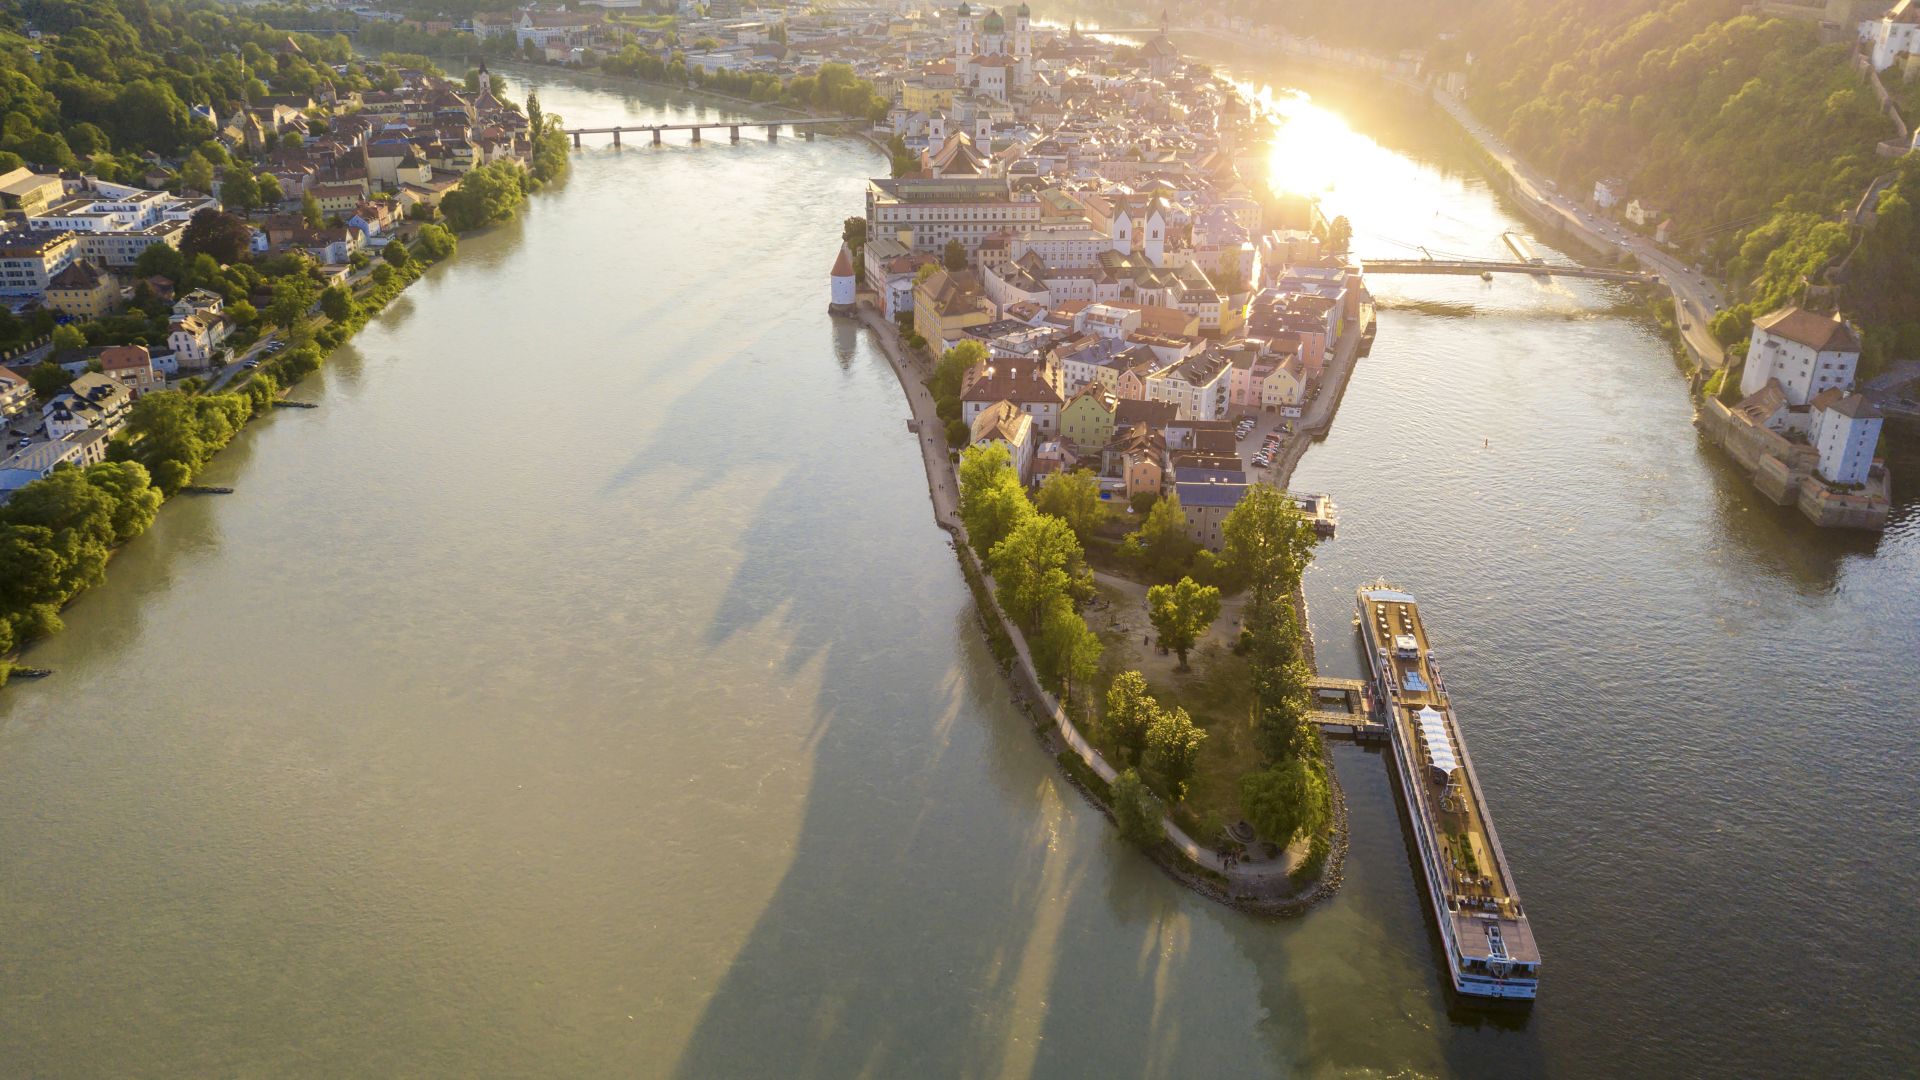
(1465, 266)
(803, 128)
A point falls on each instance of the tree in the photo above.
(242, 313)
(196, 173)
(951, 371)
(1067, 649)
(486, 194)
(536, 117)
(396, 253)
(1164, 537)
(1285, 801)
(310, 210)
(1130, 712)
(1136, 811)
(239, 189)
(992, 503)
(853, 233)
(1073, 497)
(216, 233)
(1034, 565)
(1340, 235)
(1173, 746)
(336, 303)
(1181, 613)
(1268, 543)
(160, 260)
(67, 337)
(955, 256)
(293, 297)
(270, 193)
(48, 378)
(435, 242)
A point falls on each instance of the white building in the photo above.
(1808, 353)
(1200, 386)
(1845, 429)
(1895, 35)
(92, 401)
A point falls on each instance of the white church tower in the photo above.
(1023, 45)
(963, 36)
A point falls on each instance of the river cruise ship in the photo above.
(1490, 947)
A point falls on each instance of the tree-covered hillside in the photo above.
(109, 80)
(1754, 136)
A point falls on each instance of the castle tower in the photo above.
(963, 35)
(994, 39)
(841, 283)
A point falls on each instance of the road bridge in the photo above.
(803, 128)
(1475, 266)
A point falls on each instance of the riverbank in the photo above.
(1259, 886)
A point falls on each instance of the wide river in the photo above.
(584, 690)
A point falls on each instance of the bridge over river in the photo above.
(1481, 266)
(804, 128)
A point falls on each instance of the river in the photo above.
(583, 689)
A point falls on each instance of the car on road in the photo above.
(251, 364)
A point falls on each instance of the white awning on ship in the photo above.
(1434, 736)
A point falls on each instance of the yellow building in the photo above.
(945, 305)
(84, 291)
(917, 96)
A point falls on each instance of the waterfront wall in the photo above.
(1783, 471)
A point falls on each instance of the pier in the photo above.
(803, 128)
(1341, 709)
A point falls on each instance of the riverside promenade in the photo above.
(1259, 879)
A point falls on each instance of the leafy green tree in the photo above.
(1163, 537)
(269, 192)
(992, 503)
(196, 173)
(67, 336)
(1285, 801)
(1268, 544)
(1281, 680)
(1073, 497)
(434, 242)
(1136, 811)
(48, 378)
(1034, 565)
(1130, 712)
(951, 370)
(293, 298)
(310, 210)
(1067, 650)
(216, 233)
(336, 303)
(160, 260)
(395, 253)
(487, 194)
(955, 256)
(1173, 748)
(239, 189)
(958, 434)
(1181, 613)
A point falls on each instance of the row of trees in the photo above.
(55, 537)
(1269, 544)
(1039, 569)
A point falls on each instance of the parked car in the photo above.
(251, 364)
